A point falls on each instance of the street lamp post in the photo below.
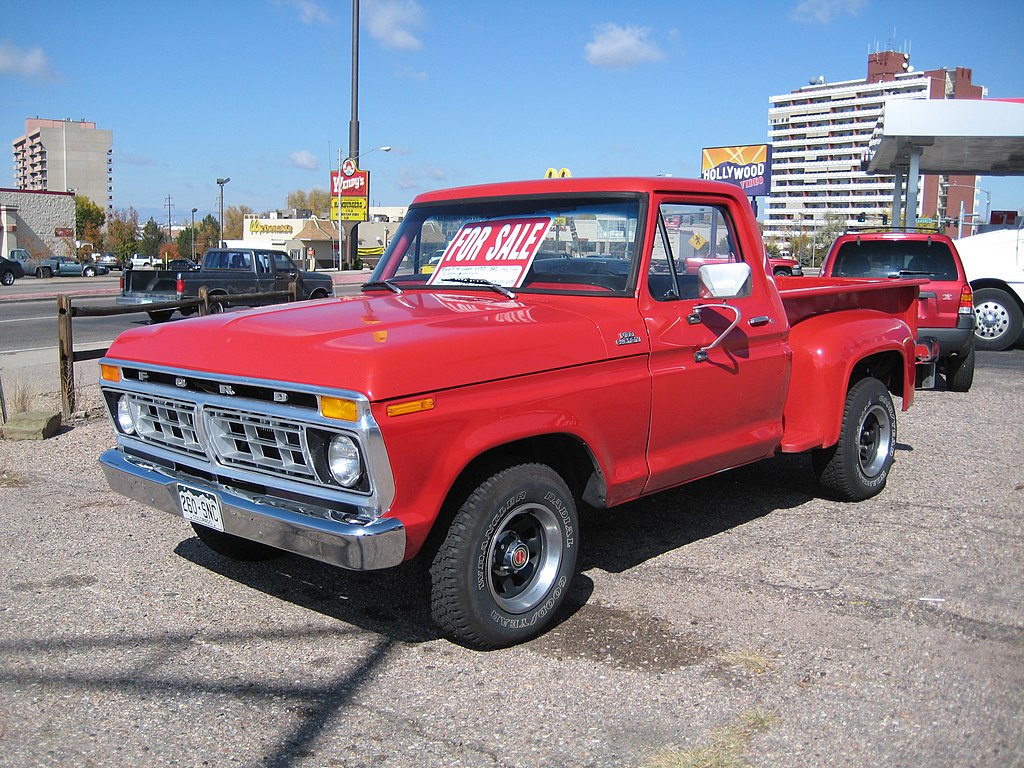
(221, 183)
(194, 233)
(973, 215)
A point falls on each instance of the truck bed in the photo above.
(805, 297)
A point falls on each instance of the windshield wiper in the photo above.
(478, 281)
(382, 284)
(911, 273)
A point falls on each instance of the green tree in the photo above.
(185, 240)
(121, 237)
(88, 216)
(207, 234)
(152, 236)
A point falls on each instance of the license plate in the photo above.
(200, 507)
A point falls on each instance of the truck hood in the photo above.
(387, 346)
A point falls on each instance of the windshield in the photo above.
(538, 244)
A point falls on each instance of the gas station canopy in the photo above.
(973, 137)
(976, 137)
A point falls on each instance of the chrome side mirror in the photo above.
(724, 281)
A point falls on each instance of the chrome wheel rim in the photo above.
(523, 556)
(991, 320)
(874, 440)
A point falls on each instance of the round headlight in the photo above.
(343, 460)
(126, 414)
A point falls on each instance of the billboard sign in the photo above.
(749, 167)
(353, 186)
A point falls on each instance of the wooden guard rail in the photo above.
(67, 356)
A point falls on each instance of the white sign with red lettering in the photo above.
(497, 250)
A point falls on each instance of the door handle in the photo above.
(759, 320)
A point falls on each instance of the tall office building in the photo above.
(820, 132)
(66, 156)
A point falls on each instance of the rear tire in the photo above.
(998, 319)
(44, 272)
(857, 467)
(234, 547)
(504, 568)
(960, 371)
(7, 277)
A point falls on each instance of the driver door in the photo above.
(724, 410)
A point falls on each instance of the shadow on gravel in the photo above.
(393, 603)
(618, 539)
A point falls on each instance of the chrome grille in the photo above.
(166, 422)
(258, 442)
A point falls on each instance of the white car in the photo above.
(994, 264)
(140, 261)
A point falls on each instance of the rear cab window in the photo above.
(930, 259)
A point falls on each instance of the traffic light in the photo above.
(861, 216)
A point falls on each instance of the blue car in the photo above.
(65, 267)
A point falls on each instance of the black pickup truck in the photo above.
(224, 272)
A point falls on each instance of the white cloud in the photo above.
(389, 22)
(32, 64)
(310, 12)
(824, 11)
(615, 47)
(304, 159)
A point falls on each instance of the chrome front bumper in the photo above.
(313, 532)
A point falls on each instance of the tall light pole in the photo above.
(351, 241)
(194, 233)
(221, 183)
(973, 214)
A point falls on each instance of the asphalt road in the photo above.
(741, 615)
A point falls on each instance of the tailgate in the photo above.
(151, 281)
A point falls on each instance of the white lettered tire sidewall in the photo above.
(508, 561)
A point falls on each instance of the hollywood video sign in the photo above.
(748, 167)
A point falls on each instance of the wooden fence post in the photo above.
(66, 356)
(204, 298)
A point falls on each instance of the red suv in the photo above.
(946, 306)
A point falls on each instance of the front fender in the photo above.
(826, 350)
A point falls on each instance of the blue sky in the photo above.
(464, 92)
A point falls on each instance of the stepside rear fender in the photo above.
(831, 352)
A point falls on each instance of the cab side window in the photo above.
(689, 236)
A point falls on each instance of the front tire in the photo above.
(998, 319)
(505, 565)
(857, 467)
(234, 547)
(89, 272)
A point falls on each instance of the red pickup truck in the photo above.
(469, 406)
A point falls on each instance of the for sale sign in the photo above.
(497, 250)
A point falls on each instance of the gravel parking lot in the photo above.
(740, 620)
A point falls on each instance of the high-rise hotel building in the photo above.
(66, 156)
(820, 132)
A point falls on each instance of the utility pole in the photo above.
(169, 207)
